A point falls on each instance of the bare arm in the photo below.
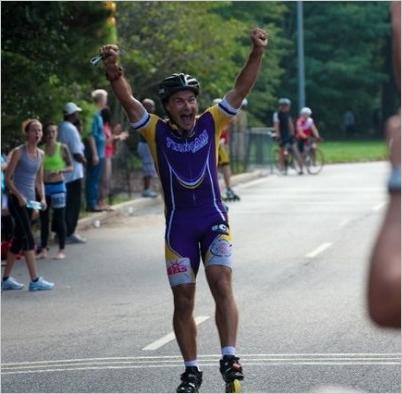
(40, 187)
(67, 159)
(15, 156)
(92, 145)
(120, 85)
(248, 75)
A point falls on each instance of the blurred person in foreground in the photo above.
(384, 287)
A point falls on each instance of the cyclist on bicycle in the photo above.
(306, 131)
(284, 130)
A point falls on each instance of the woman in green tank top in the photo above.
(57, 161)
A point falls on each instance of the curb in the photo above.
(129, 207)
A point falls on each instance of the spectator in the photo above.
(24, 174)
(57, 162)
(349, 123)
(148, 166)
(70, 136)
(111, 136)
(96, 143)
(6, 219)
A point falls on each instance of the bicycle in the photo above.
(313, 157)
(289, 161)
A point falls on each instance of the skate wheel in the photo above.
(233, 387)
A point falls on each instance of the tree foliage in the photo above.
(45, 58)
(344, 60)
(46, 48)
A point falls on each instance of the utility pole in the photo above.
(300, 56)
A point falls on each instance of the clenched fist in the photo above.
(259, 38)
(109, 55)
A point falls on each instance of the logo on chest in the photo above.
(193, 146)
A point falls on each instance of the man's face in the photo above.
(284, 107)
(183, 108)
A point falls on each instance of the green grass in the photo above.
(354, 151)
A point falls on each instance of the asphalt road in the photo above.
(301, 255)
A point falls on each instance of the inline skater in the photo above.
(224, 162)
(184, 149)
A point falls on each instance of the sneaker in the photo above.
(191, 381)
(75, 239)
(40, 284)
(11, 284)
(59, 256)
(149, 193)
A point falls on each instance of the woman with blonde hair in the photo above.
(24, 174)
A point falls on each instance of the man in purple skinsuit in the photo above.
(184, 149)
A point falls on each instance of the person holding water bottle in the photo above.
(24, 174)
(57, 161)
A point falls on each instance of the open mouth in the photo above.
(187, 118)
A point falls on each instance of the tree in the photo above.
(45, 60)
(344, 60)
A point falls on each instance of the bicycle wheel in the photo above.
(277, 160)
(314, 162)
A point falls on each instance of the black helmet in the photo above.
(176, 82)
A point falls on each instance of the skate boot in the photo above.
(232, 373)
(230, 195)
(191, 381)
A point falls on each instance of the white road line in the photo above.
(170, 337)
(319, 250)
(378, 206)
(201, 356)
(209, 364)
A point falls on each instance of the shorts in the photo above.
(57, 192)
(288, 142)
(191, 236)
(148, 166)
(223, 155)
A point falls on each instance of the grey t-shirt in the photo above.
(69, 135)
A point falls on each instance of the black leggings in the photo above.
(58, 225)
(23, 237)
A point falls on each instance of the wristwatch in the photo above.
(394, 181)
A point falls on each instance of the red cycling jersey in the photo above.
(305, 125)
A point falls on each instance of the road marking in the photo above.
(334, 359)
(319, 250)
(170, 337)
(378, 206)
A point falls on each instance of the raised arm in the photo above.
(120, 85)
(248, 75)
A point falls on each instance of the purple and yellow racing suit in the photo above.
(196, 220)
